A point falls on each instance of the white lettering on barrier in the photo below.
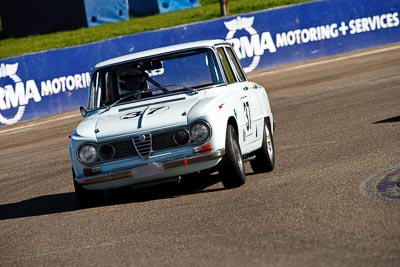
(378, 22)
(245, 47)
(303, 36)
(65, 83)
(254, 47)
(18, 94)
(254, 44)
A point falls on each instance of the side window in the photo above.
(110, 87)
(236, 65)
(227, 67)
(95, 91)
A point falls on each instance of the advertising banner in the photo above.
(55, 81)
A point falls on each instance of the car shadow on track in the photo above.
(37, 206)
(65, 202)
(389, 120)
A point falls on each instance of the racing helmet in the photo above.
(131, 82)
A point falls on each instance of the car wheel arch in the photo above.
(232, 121)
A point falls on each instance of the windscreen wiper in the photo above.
(108, 107)
(162, 88)
(159, 86)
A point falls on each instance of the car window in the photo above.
(237, 68)
(95, 91)
(227, 67)
(155, 77)
(189, 70)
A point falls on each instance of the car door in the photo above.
(239, 84)
(251, 105)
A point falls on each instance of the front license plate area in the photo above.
(148, 170)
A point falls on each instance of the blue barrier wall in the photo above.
(55, 81)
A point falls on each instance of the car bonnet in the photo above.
(127, 120)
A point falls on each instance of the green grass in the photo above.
(209, 9)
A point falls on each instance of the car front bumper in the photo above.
(152, 169)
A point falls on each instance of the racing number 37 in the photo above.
(246, 107)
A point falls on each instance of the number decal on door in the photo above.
(246, 107)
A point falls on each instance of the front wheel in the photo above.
(232, 169)
(87, 198)
(265, 156)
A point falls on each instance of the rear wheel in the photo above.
(87, 198)
(232, 169)
(265, 156)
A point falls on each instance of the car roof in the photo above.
(160, 51)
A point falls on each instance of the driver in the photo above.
(131, 83)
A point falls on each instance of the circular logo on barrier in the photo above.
(9, 94)
(242, 23)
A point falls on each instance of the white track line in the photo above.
(266, 72)
(34, 124)
(309, 144)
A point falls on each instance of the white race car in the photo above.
(163, 114)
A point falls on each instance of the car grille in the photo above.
(143, 145)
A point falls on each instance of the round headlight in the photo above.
(106, 152)
(200, 131)
(87, 154)
(181, 137)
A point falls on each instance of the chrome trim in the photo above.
(104, 177)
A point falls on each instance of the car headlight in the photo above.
(87, 153)
(181, 137)
(106, 152)
(200, 131)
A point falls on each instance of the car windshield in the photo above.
(183, 72)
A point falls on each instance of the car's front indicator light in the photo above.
(202, 149)
(91, 171)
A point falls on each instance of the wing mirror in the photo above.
(83, 111)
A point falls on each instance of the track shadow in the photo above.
(170, 190)
(65, 202)
(389, 120)
(42, 205)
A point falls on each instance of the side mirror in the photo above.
(83, 111)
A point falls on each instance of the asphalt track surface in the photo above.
(338, 129)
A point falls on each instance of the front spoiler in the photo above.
(104, 177)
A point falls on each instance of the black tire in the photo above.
(231, 168)
(265, 156)
(87, 198)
